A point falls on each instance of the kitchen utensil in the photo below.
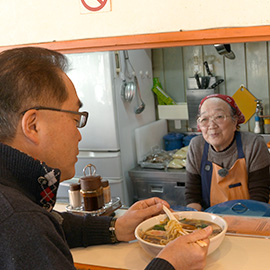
(169, 213)
(128, 87)
(182, 231)
(207, 68)
(245, 101)
(128, 90)
(205, 82)
(216, 84)
(225, 50)
(198, 80)
(141, 107)
(192, 84)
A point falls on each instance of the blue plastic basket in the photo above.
(186, 139)
(173, 141)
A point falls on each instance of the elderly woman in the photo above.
(225, 164)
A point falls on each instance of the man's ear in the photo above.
(30, 126)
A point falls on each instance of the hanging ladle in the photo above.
(128, 87)
(141, 107)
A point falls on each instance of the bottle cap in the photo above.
(74, 187)
(105, 183)
(90, 183)
(266, 121)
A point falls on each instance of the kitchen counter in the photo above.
(171, 173)
(234, 253)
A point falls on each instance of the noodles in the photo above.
(173, 230)
(167, 231)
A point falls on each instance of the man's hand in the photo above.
(184, 253)
(138, 212)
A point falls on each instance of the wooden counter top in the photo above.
(234, 253)
(80, 266)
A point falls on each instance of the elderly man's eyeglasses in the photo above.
(80, 123)
(219, 119)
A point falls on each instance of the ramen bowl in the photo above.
(153, 249)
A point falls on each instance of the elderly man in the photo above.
(39, 136)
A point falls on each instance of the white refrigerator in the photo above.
(108, 139)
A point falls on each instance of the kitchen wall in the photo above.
(24, 22)
(250, 67)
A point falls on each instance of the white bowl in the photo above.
(154, 249)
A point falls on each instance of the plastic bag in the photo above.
(177, 163)
(181, 153)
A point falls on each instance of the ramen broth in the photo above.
(157, 233)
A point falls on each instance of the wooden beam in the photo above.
(81, 266)
(158, 40)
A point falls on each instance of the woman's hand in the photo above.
(196, 206)
(138, 212)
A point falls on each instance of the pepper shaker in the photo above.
(106, 191)
(75, 199)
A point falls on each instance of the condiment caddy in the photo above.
(107, 210)
(91, 195)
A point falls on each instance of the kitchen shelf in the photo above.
(173, 112)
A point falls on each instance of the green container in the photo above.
(162, 97)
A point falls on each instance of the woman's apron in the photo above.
(233, 186)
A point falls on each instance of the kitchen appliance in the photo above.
(108, 140)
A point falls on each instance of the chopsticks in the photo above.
(182, 231)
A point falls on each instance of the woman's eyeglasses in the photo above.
(219, 119)
(80, 124)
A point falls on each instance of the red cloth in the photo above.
(230, 101)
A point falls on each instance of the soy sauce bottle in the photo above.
(92, 192)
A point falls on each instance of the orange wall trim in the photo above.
(158, 40)
(80, 266)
